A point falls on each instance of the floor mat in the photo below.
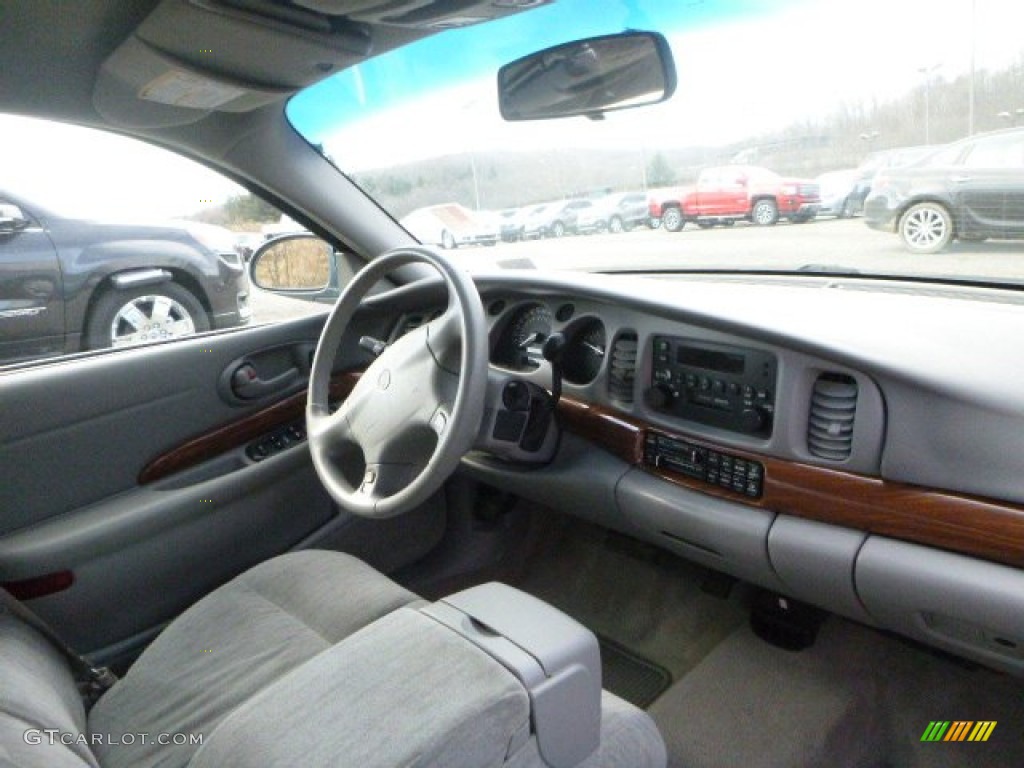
(629, 677)
(645, 601)
(856, 699)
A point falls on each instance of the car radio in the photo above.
(732, 388)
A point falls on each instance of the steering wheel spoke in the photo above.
(383, 480)
(335, 428)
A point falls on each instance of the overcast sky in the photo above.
(736, 78)
(89, 173)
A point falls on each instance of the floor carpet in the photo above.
(857, 697)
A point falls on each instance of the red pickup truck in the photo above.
(731, 193)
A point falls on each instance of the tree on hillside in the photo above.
(247, 207)
(659, 172)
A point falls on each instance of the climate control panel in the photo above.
(714, 467)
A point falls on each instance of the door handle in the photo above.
(247, 384)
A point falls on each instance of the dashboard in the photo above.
(851, 444)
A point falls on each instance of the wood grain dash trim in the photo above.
(236, 433)
(617, 434)
(986, 528)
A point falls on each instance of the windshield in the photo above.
(726, 174)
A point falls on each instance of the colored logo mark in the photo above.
(958, 730)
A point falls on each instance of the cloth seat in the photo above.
(276, 624)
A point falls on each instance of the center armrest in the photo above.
(556, 659)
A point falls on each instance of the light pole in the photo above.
(927, 72)
(476, 182)
(970, 83)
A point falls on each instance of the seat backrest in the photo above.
(42, 719)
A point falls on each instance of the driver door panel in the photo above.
(76, 439)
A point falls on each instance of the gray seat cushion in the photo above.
(37, 692)
(301, 659)
(404, 691)
(231, 645)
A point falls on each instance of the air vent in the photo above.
(622, 369)
(830, 424)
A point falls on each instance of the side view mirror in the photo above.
(588, 77)
(299, 265)
(11, 219)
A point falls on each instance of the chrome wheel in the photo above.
(672, 219)
(142, 315)
(926, 228)
(765, 213)
(148, 318)
(615, 225)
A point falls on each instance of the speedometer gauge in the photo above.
(584, 352)
(519, 346)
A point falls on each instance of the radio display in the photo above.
(710, 359)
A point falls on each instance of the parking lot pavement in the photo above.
(831, 244)
(820, 245)
(270, 308)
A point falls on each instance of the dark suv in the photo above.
(627, 211)
(70, 284)
(970, 190)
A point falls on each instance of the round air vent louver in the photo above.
(830, 421)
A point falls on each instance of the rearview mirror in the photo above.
(588, 77)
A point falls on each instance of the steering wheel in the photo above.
(415, 411)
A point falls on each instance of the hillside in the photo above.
(805, 148)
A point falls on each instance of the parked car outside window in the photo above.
(971, 191)
(71, 284)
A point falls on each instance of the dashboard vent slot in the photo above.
(622, 368)
(830, 424)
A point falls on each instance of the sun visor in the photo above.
(141, 88)
(190, 58)
(432, 15)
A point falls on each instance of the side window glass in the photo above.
(108, 242)
(996, 152)
(944, 157)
